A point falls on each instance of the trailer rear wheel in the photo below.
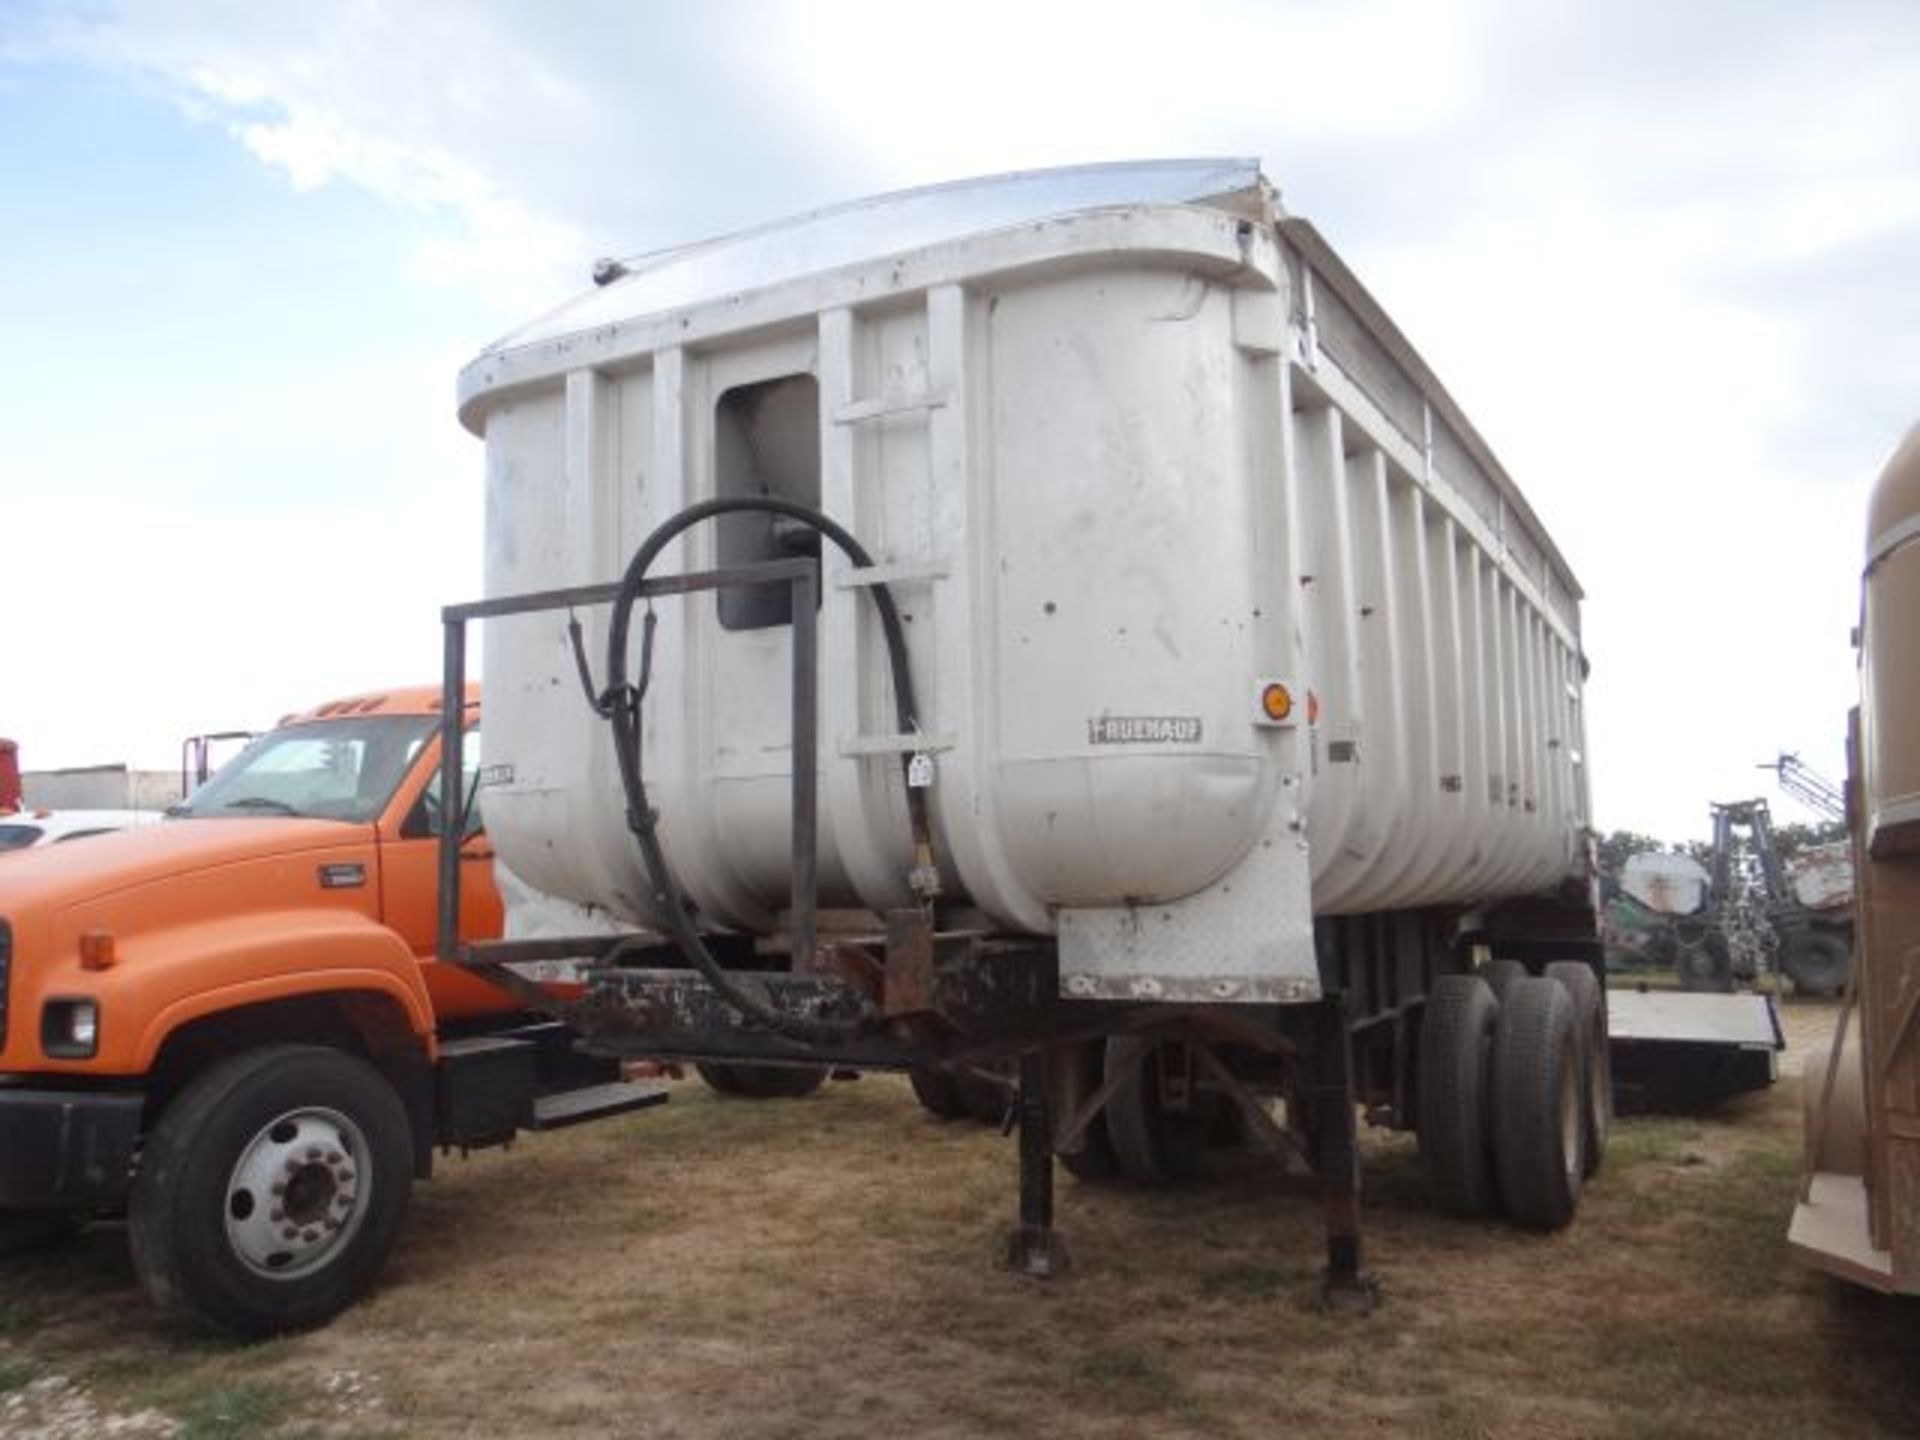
(271, 1190)
(1156, 1138)
(1596, 1053)
(1456, 1042)
(1499, 974)
(1094, 1160)
(1539, 1130)
(1818, 962)
(934, 1087)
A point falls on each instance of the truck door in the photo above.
(409, 881)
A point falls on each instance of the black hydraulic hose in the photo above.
(621, 705)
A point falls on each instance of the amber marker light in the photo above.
(96, 950)
(1276, 701)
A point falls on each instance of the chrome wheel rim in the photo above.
(298, 1193)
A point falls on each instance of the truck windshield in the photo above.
(346, 768)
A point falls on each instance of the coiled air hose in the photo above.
(621, 703)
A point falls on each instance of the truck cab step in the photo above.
(594, 1102)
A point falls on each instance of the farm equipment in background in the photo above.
(1790, 915)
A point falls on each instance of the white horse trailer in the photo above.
(1062, 617)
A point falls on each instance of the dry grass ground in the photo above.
(830, 1267)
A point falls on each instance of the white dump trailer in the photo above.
(1148, 664)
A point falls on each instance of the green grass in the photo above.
(1243, 1281)
(14, 1375)
(1129, 1377)
(232, 1411)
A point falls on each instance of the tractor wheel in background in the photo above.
(936, 1090)
(1817, 961)
(270, 1192)
(1155, 1142)
(1596, 1052)
(1094, 1160)
(1499, 974)
(1456, 1041)
(1539, 1125)
(1705, 965)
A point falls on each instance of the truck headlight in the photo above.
(70, 1029)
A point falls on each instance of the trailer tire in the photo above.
(1151, 1145)
(1094, 1161)
(1818, 962)
(936, 1090)
(292, 1132)
(1499, 974)
(1596, 1053)
(1456, 1044)
(1539, 1131)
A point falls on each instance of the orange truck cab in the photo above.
(232, 1027)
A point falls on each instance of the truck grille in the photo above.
(6, 976)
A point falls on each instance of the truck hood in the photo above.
(50, 877)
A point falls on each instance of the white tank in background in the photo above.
(1822, 876)
(1133, 448)
(1665, 882)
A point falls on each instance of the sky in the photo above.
(1666, 256)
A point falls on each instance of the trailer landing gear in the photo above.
(1033, 1247)
(1346, 1288)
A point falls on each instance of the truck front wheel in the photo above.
(271, 1190)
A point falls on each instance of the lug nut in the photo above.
(278, 1215)
(292, 1232)
(313, 1152)
(334, 1157)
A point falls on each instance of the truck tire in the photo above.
(1499, 974)
(1539, 1130)
(1456, 1047)
(937, 1091)
(1596, 1053)
(1094, 1161)
(1817, 961)
(1152, 1145)
(271, 1190)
